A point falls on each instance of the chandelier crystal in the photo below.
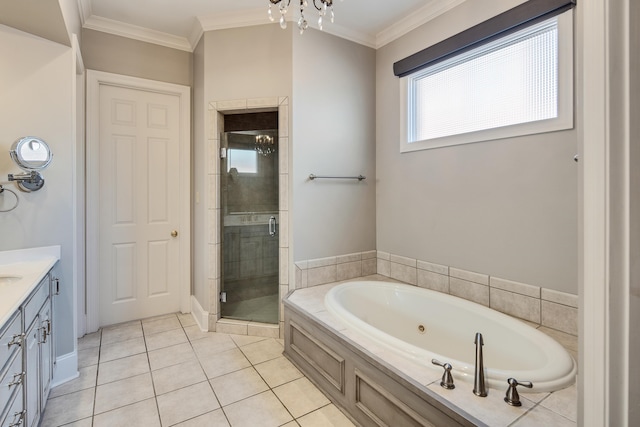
(265, 144)
(324, 8)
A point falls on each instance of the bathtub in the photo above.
(422, 325)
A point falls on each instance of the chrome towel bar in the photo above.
(359, 177)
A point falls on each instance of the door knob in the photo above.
(174, 233)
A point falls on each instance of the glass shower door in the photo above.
(250, 241)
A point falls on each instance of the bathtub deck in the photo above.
(386, 381)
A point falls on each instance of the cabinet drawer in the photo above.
(36, 300)
(14, 416)
(10, 340)
(12, 380)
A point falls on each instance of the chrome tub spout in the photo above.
(479, 388)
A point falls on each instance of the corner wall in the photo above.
(505, 208)
(333, 134)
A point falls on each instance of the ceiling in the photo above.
(180, 23)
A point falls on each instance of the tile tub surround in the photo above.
(558, 408)
(545, 307)
(164, 371)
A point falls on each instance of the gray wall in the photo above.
(121, 55)
(37, 83)
(507, 208)
(333, 134)
(239, 63)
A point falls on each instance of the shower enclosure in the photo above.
(250, 242)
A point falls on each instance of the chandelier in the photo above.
(324, 7)
(265, 144)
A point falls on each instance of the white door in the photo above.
(139, 206)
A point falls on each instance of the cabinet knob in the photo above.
(174, 233)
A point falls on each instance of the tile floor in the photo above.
(164, 371)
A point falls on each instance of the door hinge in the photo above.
(223, 153)
(223, 296)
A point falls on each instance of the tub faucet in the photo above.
(479, 388)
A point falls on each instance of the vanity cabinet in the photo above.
(26, 359)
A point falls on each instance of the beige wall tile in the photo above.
(321, 262)
(262, 330)
(383, 255)
(560, 317)
(229, 327)
(560, 297)
(519, 288)
(348, 258)
(321, 275)
(369, 266)
(516, 305)
(410, 262)
(433, 281)
(369, 254)
(434, 268)
(469, 276)
(403, 273)
(383, 267)
(469, 290)
(349, 270)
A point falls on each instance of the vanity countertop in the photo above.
(20, 272)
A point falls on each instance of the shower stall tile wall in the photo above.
(545, 307)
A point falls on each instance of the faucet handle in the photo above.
(447, 378)
(512, 397)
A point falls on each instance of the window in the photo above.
(243, 161)
(519, 84)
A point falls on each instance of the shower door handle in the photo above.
(272, 226)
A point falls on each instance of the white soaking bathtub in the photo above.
(422, 325)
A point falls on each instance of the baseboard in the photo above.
(199, 314)
(66, 369)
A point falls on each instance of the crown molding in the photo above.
(414, 20)
(138, 33)
(247, 18)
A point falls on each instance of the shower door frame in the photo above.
(217, 110)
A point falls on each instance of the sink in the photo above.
(8, 280)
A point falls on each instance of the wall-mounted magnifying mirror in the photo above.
(31, 154)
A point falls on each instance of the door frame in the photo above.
(95, 79)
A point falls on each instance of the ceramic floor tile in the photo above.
(144, 413)
(213, 344)
(293, 423)
(123, 368)
(177, 376)
(543, 417)
(122, 349)
(238, 385)
(68, 408)
(264, 410)
(278, 371)
(165, 339)
(88, 357)
(89, 340)
(124, 332)
(564, 402)
(169, 356)
(160, 325)
(327, 416)
(262, 351)
(86, 379)
(224, 363)
(186, 403)
(186, 319)
(301, 397)
(195, 333)
(210, 419)
(86, 422)
(124, 392)
(242, 340)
